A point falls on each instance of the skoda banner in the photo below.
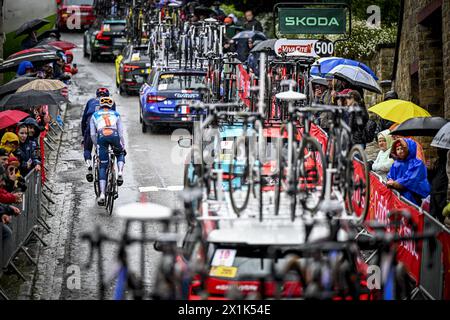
(312, 20)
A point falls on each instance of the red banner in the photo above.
(384, 200)
(444, 238)
(243, 84)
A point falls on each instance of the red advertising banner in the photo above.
(384, 200)
(243, 84)
(444, 238)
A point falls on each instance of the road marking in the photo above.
(156, 189)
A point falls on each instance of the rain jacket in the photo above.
(37, 129)
(383, 162)
(28, 151)
(9, 137)
(23, 66)
(7, 197)
(411, 173)
(91, 107)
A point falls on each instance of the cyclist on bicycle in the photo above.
(91, 106)
(107, 130)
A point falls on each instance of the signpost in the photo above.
(312, 20)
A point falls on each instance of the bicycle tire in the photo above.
(245, 176)
(280, 170)
(318, 152)
(349, 192)
(96, 178)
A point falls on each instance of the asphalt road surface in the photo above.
(151, 162)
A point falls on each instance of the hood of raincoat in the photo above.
(387, 136)
(411, 172)
(23, 66)
(9, 137)
(32, 122)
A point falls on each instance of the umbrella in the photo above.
(442, 139)
(29, 26)
(356, 76)
(11, 117)
(31, 98)
(266, 45)
(421, 126)
(15, 84)
(52, 33)
(204, 11)
(319, 80)
(398, 110)
(324, 65)
(42, 85)
(254, 35)
(64, 45)
(37, 56)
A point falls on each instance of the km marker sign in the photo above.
(312, 21)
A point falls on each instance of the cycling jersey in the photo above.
(104, 123)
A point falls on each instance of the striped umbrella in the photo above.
(42, 85)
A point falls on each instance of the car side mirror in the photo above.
(185, 142)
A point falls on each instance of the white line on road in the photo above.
(156, 189)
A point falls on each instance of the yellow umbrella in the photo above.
(399, 110)
(42, 85)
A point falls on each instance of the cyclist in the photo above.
(107, 130)
(91, 106)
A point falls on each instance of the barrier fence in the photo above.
(24, 227)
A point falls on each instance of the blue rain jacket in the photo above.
(23, 67)
(411, 173)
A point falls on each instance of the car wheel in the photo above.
(121, 91)
(144, 127)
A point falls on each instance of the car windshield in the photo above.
(79, 2)
(232, 263)
(180, 81)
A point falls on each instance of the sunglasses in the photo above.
(13, 170)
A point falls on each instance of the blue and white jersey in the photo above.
(105, 119)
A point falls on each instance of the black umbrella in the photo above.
(254, 35)
(31, 25)
(53, 34)
(420, 126)
(266, 45)
(442, 138)
(36, 56)
(14, 84)
(31, 98)
(204, 11)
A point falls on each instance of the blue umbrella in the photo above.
(323, 66)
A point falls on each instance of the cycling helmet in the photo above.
(106, 102)
(102, 92)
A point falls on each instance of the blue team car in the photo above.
(164, 98)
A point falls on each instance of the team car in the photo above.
(132, 68)
(164, 99)
(106, 37)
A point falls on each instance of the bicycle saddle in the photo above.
(144, 212)
(290, 96)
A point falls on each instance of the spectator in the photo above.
(27, 152)
(30, 41)
(14, 181)
(383, 162)
(9, 142)
(235, 19)
(69, 68)
(446, 211)
(408, 175)
(251, 23)
(34, 130)
(328, 98)
(420, 153)
(218, 11)
(3, 157)
(357, 120)
(230, 29)
(25, 69)
(439, 185)
(5, 196)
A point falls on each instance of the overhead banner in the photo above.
(312, 20)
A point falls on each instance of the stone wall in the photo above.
(422, 51)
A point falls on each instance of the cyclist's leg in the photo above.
(119, 152)
(88, 155)
(102, 145)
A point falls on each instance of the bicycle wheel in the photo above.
(281, 180)
(357, 183)
(311, 174)
(257, 187)
(238, 181)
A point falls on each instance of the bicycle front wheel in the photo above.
(357, 183)
(239, 177)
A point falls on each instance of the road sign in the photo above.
(312, 20)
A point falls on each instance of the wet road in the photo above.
(149, 163)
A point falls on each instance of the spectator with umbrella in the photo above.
(25, 69)
(29, 28)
